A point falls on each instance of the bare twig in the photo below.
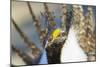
(26, 39)
(83, 26)
(64, 17)
(37, 24)
(29, 60)
(48, 14)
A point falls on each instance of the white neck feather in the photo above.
(71, 51)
